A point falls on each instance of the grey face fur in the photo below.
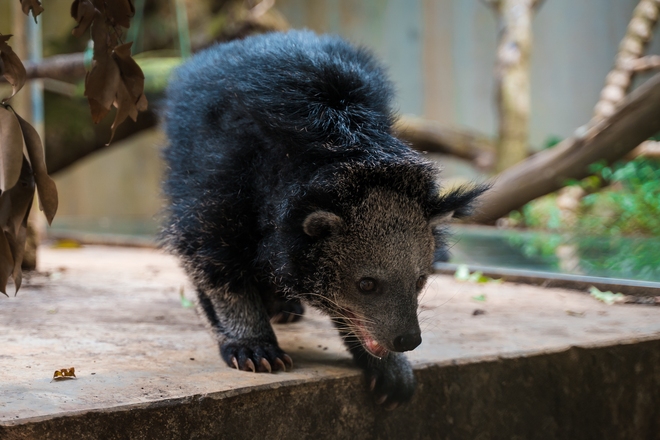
(380, 255)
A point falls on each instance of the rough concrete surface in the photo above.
(539, 363)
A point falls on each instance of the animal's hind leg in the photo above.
(283, 310)
(240, 323)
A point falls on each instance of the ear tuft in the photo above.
(457, 203)
(320, 223)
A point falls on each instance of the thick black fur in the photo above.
(262, 132)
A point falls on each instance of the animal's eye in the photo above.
(421, 281)
(367, 285)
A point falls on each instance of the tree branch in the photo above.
(638, 34)
(430, 136)
(635, 120)
(67, 67)
(642, 64)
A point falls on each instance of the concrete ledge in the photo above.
(538, 364)
(581, 393)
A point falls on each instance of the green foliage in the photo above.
(630, 205)
(623, 199)
(615, 230)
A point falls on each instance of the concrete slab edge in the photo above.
(599, 391)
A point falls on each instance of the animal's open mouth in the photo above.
(368, 341)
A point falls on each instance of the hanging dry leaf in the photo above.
(83, 11)
(131, 73)
(17, 247)
(115, 78)
(6, 262)
(34, 5)
(120, 12)
(15, 225)
(130, 97)
(64, 374)
(19, 200)
(13, 69)
(46, 189)
(11, 149)
(102, 81)
(125, 107)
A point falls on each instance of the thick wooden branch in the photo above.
(512, 79)
(60, 155)
(430, 136)
(68, 67)
(642, 64)
(632, 46)
(635, 120)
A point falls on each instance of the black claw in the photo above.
(279, 365)
(256, 357)
(266, 365)
(392, 406)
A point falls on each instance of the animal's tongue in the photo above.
(367, 340)
(374, 347)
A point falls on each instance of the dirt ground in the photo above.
(115, 314)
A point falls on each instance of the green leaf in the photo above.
(608, 297)
(462, 273)
(185, 302)
(480, 298)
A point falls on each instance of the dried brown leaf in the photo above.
(6, 262)
(130, 93)
(17, 247)
(15, 225)
(102, 81)
(83, 11)
(64, 374)
(20, 199)
(11, 149)
(34, 5)
(13, 69)
(46, 189)
(125, 104)
(142, 103)
(101, 86)
(120, 12)
(131, 73)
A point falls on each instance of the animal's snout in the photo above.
(407, 342)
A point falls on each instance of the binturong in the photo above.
(287, 186)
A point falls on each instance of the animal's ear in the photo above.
(458, 203)
(319, 223)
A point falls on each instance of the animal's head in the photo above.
(377, 259)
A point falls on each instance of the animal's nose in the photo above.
(407, 342)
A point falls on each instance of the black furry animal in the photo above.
(286, 185)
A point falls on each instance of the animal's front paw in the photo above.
(255, 356)
(391, 380)
(283, 311)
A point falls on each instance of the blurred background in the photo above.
(442, 57)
